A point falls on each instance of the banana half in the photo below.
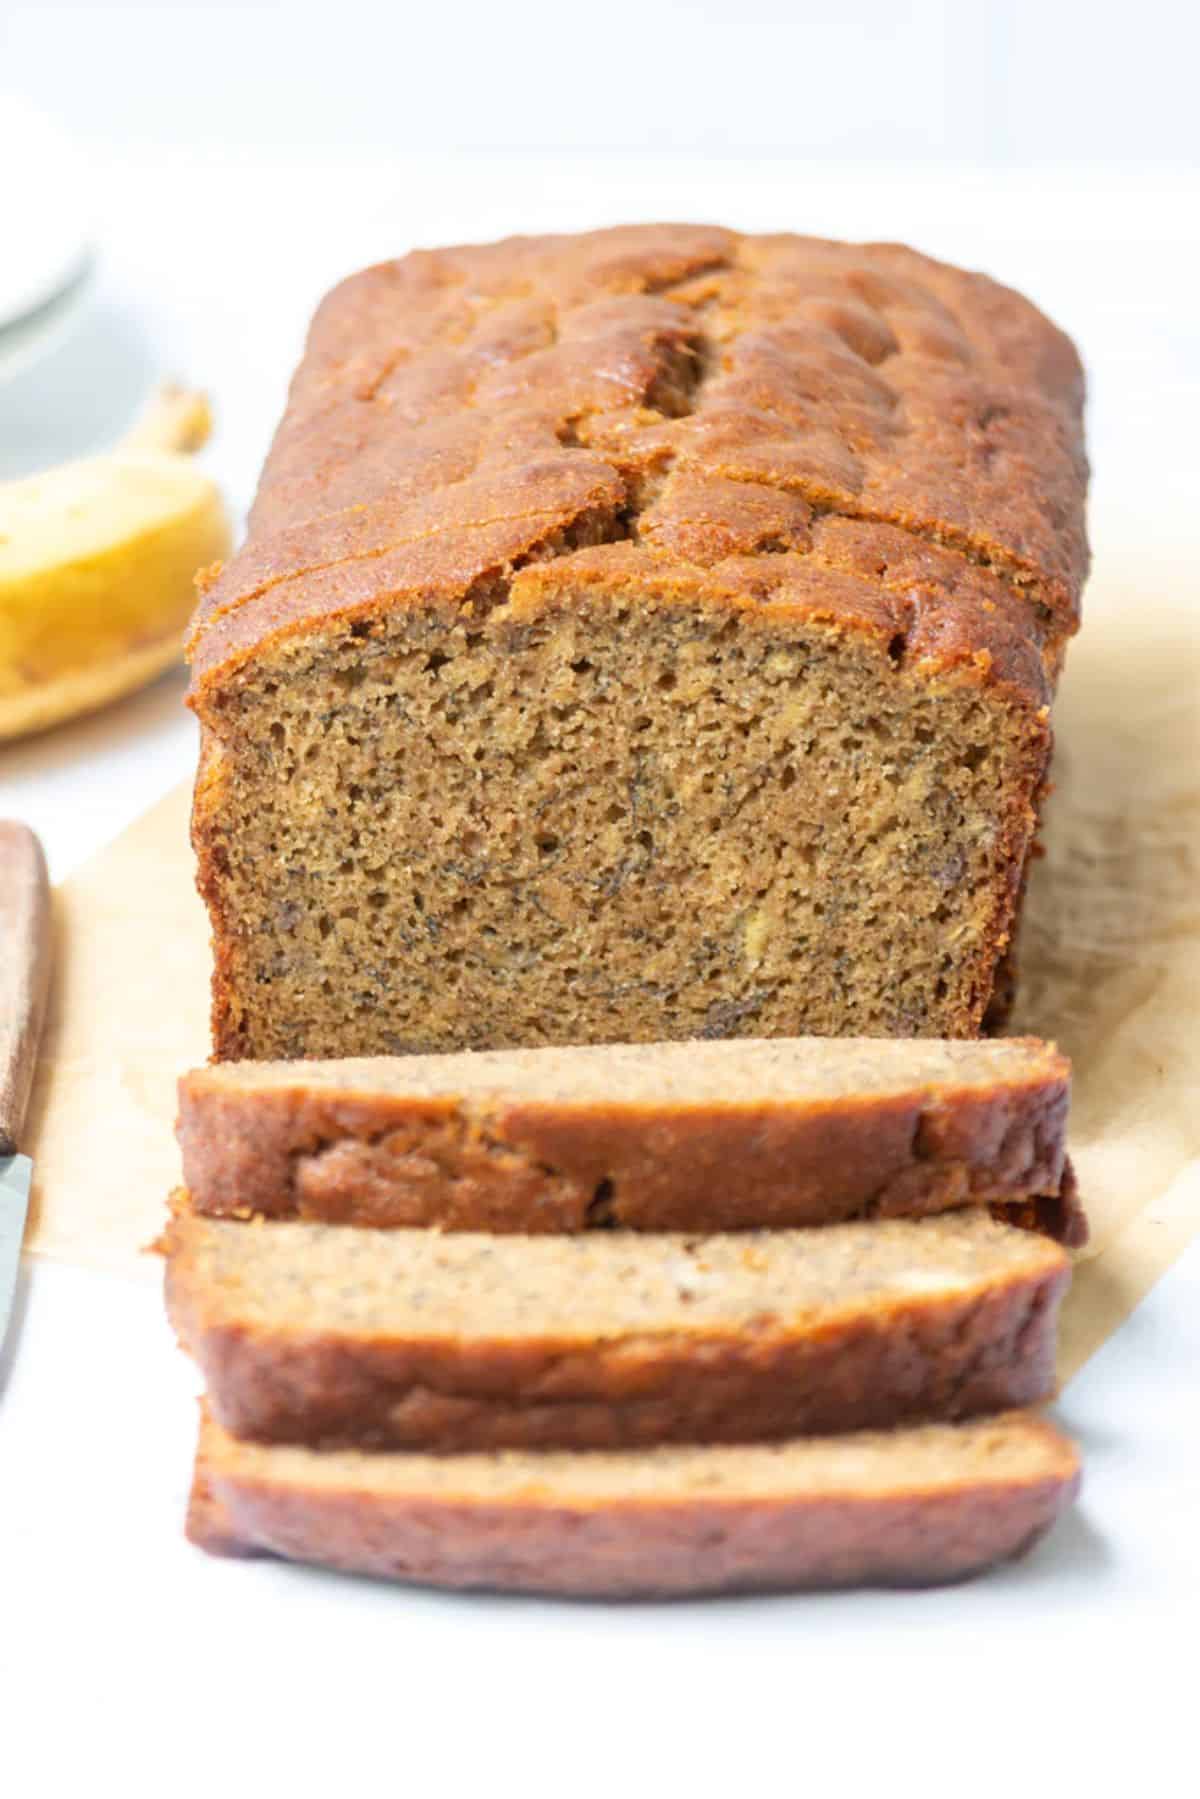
(97, 562)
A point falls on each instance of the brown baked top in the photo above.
(854, 431)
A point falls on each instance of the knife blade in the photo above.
(24, 984)
(16, 1172)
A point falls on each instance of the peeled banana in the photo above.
(97, 560)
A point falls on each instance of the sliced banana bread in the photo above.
(643, 634)
(325, 1334)
(667, 1136)
(912, 1507)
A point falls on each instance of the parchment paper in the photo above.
(1110, 966)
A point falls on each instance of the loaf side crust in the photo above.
(923, 1507)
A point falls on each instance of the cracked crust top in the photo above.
(854, 431)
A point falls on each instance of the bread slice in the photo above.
(913, 1507)
(417, 1339)
(643, 1136)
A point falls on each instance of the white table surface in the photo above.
(128, 1655)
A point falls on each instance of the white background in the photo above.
(1016, 82)
(237, 160)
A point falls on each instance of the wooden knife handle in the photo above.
(24, 971)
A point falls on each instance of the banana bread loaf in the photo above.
(647, 634)
(914, 1507)
(422, 1339)
(668, 1136)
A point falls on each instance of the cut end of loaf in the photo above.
(615, 821)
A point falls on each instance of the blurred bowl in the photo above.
(45, 272)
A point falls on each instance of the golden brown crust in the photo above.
(930, 1346)
(705, 394)
(348, 1152)
(918, 1530)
